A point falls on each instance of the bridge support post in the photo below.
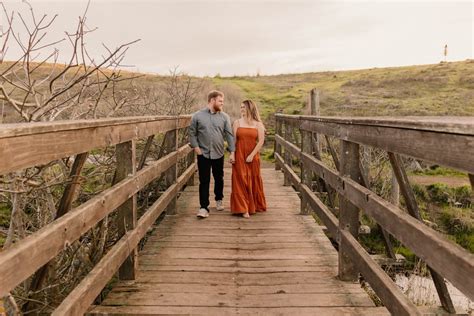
(306, 173)
(127, 212)
(287, 157)
(277, 147)
(171, 144)
(349, 213)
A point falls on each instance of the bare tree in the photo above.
(37, 87)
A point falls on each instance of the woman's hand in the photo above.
(249, 159)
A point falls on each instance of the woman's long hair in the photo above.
(252, 110)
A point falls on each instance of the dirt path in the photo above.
(450, 181)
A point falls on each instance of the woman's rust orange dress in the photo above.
(247, 185)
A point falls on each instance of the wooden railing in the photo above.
(446, 141)
(27, 145)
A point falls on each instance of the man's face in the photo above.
(217, 103)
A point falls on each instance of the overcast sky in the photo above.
(243, 37)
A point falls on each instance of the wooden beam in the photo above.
(19, 262)
(287, 154)
(277, 146)
(446, 257)
(68, 197)
(289, 173)
(79, 300)
(171, 144)
(322, 211)
(390, 294)
(149, 141)
(415, 141)
(127, 212)
(413, 210)
(306, 173)
(19, 141)
(348, 213)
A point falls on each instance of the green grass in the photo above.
(5, 213)
(440, 171)
(439, 89)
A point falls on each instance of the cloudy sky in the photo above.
(271, 37)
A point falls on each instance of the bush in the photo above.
(438, 193)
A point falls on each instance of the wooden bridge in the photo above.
(278, 262)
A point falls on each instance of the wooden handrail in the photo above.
(445, 257)
(422, 138)
(26, 145)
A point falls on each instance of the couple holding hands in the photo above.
(209, 127)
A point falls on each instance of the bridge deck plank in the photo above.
(275, 262)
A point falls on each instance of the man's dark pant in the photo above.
(204, 167)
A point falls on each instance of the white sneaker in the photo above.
(219, 205)
(202, 213)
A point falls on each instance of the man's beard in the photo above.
(217, 108)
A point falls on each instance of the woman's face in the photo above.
(243, 110)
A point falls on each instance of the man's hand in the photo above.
(198, 151)
(232, 158)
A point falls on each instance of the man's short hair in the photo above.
(214, 94)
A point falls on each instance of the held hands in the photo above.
(232, 158)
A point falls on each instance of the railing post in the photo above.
(315, 110)
(306, 173)
(349, 213)
(277, 147)
(127, 212)
(171, 175)
(287, 158)
(191, 159)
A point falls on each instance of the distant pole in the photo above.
(445, 52)
(315, 102)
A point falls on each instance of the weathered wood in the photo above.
(126, 219)
(78, 301)
(349, 213)
(68, 197)
(333, 153)
(275, 261)
(277, 146)
(42, 246)
(190, 160)
(171, 144)
(289, 174)
(413, 210)
(306, 173)
(446, 257)
(321, 210)
(148, 143)
(392, 297)
(443, 124)
(18, 141)
(287, 155)
(417, 140)
(315, 111)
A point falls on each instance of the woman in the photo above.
(247, 186)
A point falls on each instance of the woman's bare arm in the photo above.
(260, 141)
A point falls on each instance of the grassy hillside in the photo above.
(440, 89)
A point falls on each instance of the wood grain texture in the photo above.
(276, 262)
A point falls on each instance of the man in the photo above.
(207, 131)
